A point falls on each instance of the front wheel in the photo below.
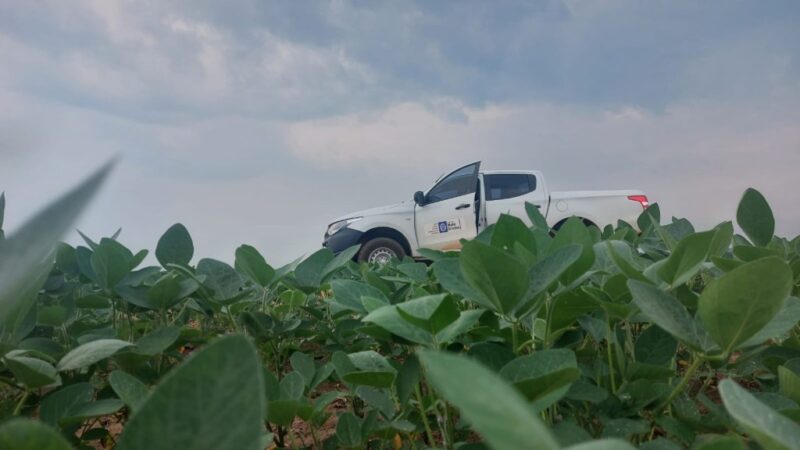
(380, 251)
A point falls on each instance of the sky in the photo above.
(259, 122)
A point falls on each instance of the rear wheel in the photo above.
(380, 251)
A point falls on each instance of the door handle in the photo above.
(538, 206)
(462, 206)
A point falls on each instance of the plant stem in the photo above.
(684, 381)
(230, 316)
(548, 318)
(428, 431)
(21, 403)
(514, 337)
(611, 366)
(113, 313)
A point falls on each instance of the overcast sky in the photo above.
(258, 122)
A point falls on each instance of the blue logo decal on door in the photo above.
(443, 227)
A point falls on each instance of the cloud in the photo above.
(291, 61)
(259, 122)
(156, 64)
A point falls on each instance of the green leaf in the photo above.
(66, 260)
(42, 345)
(372, 303)
(737, 305)
(84, 411)
(749, 253)
(621, 254)
(407, 378)
(90, 353)
(309, 273)
(651, 215)
(92, 244)
(111, 261)
(175, 246)
(372, 370)
(767, 426)
(338, 262)
(755, 217)
(304, 365)
(378, 399)
(213, 401)
(624, 428)
(389, 318)
(510, 230)
(128, 388)
(499, 277)
(493, 407)
(283, 412)
(725, 264)
(491, 355)
(448, 273)
(542, 373)
(687, 258)
(157, 341)
(465, 321)
(574, 232)
(250, 263)
(51, 316)
(349, 294)
(220, 278)
(789, 382)
(548, 271)
(164, 292)
(57, 404)
(32, 372)
(436, 255)
(721, 443)
(26, 434)
(779, 326)
(418, 272)
(602, 444)
(292, 386)
(655, 346)
(432, 313)
(24, 261)
(722, 239)
(536, 217)
(667, 312)
(348, 430)
(586, 392)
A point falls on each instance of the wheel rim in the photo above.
(381, 255)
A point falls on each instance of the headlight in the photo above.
(336, 226)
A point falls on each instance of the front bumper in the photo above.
(342, 239)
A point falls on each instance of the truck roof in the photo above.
(499, 172)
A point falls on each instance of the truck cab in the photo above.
(463, 203)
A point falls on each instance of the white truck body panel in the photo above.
(452, 211)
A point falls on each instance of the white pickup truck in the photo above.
(463, 203)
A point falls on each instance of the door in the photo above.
(507, 193)
(448, 213)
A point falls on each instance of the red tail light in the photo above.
(642, 199)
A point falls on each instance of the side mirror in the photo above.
(419, 198)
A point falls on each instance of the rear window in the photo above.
(502, 186)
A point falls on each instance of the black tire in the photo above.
(379, 249)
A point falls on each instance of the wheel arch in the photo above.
(585, 221)
(386, 232)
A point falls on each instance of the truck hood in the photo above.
(397, 208)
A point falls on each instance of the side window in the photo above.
(502, 186)
(458, 183)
